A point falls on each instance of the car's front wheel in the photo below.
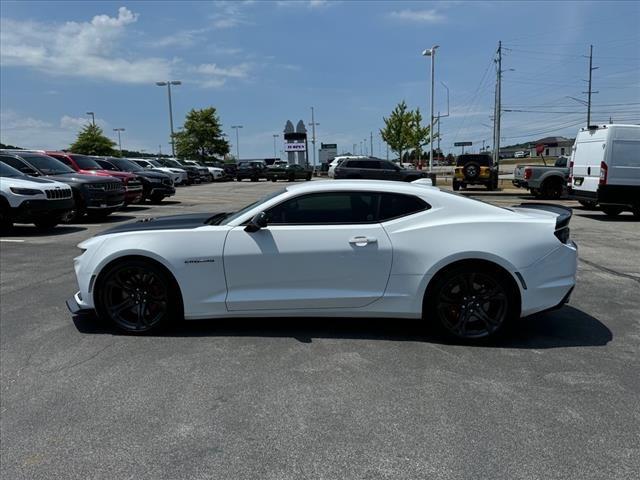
(611, 210)
(135, 296)
(472, 302)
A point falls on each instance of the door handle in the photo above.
(362, 240)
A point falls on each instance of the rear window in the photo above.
(482, 160)
(393, 205)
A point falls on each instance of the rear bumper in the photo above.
(550, 281)
(520, 183)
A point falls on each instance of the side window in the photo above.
(64, 160)
(12, 162)
(327, 208)
(394, 205)
(371, 164)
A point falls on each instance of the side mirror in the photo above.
(258, 222)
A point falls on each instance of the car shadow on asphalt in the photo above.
(113, 218)
(567, 327)
(623, 217)
(32, 231)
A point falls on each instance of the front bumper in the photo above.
(76, 307)
(162, 190)
(33, 209)
(98, 200)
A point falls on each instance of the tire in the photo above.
(45, 224)
(308, 178)
(636, 211)
(75, 214)
(238, 179)
(472, 302)
(588, 205)
(254, 179)
(137, 296)
(156, 198)
(471, 170)
(611, 210)
(274, 178)
(6, 223)
(456, 186)
(552, 188)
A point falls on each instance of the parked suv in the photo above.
(24, 199)
(375, 169)
(193, 174)
(178, 175)
(288, 172)
(89, 166)
(92, 194)
(155, 185)
(475, 169)
(254, 171)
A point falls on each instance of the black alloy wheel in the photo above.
(471, 304)
(135, 296)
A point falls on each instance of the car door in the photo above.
(320, 250)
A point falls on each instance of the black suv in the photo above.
(155, 185)
(92, 195)
(251, 170)
(475, 169)
(375, 169)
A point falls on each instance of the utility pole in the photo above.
(354, 149)
(168, 84)
(313, 137)
(590, 92)
(120, 129)
(498, 109)
(442, 116)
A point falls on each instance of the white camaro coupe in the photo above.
(348, 248)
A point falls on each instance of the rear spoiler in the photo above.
(564, 213)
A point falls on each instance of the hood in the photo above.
(172, 222)
(151, 174)
(80, 178)
(30, 182)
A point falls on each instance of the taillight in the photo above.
(603, 173)
(527, 173)
(570, 172)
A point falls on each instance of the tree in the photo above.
(201, 137)
(403, 130)
(91, 141)
(397, 129)
(419, 134)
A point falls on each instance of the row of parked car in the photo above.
(51, 187)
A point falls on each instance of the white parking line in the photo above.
(11, 240)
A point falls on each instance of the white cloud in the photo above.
(303, 3)
(11, 121)
(77, 123)
(214, 76)
(418, 16)
(84, 49)
(185, 38)
(229, 15)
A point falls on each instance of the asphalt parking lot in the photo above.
(308, 398)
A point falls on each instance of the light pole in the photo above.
(93, 118)
(236, 127)
(168, 84)
(275, 135)
(119, 129)
(313, 137)
(431, 53)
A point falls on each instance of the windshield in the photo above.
(155, 163)
(172, 163)
(126, 165)
(232, 216)
(7, 171)
(47, 165)
(86, 163)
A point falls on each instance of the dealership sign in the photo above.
(295, 147)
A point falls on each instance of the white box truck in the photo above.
(605, 168)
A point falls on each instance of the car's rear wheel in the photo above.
(611, 210)
(456, 186)
(472, 302)
(135, 296)
(552, 188)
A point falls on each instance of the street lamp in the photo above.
(93, 118)
(120, 129)
(431, 53)
(168, 84)
(236, 127)
(275, 135)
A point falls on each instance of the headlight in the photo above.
(26, 191)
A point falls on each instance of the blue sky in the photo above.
(261, 63)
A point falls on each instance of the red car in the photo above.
(88, 165)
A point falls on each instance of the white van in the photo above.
(605, 168)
